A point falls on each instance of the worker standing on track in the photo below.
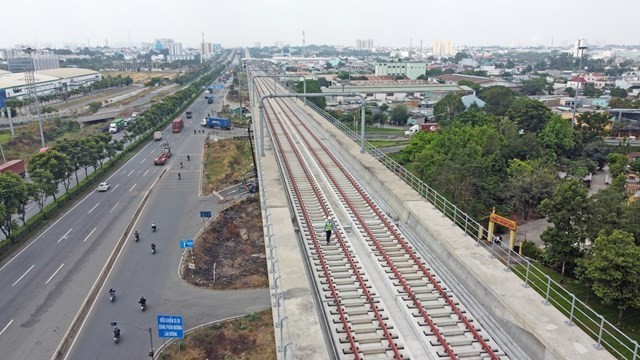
(328, 228)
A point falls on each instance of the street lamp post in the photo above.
(151, 352)
(575, 98)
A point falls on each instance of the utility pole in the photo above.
(30, 79)
(580, 52)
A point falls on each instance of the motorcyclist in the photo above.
(153, 226)
(112, 293)
(142, 302)
(153, 248)
(188, 158)
(116, 332)
(137, 235)
(179, 176)
(180, 164)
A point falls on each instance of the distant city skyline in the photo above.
(245, 22)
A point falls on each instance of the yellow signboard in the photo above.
(508, 223)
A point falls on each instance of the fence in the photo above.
(272, 257)
(578, 313)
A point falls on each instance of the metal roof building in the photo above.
(52, 81)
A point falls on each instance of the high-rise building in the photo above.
(443, 48)
(257, 44)
(161, 44)
(40, 62)
(206, 49)
(437, 49)
(579, 48)
(175, 48)
(364, 44)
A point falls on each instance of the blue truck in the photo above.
(210, 99)
(216, 122)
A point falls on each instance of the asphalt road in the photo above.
(45, 283)
(175, 207)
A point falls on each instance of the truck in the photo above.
(210, 89)
(177, 125)
(189, 114)
(210, 99)
(116, 125)
(164, 155)
(14, 166)
(216, 122)
(157, 136)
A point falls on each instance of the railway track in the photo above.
(382, 298)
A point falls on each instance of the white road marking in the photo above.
(143, 160)
(145, 173)
(131, 173)
(114, 207)
(54, 274)
(64, 236)
(93, 208)
(85, 239)
(5, 328)
(23, 275)
(115, 187)
(134, 185)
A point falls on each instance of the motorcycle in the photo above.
(137, 236)
(112, 297)
(153, 249)
(116, 336)
(153, 227)
(143, 307)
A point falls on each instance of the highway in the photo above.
(47, 281)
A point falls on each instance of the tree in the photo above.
(617, 164)
(591, 91)
(54, 162)
(596, 151)
(557, 136)
(570, 91)
(619, 92)
(399, 115)
(94, 106)
(343, 75)
(447, 108)
(313, 86)
(475, 86)
(593, 124)
(13, 192)
(536, 86)
(530, 115)
(475, 116)
(568, 209)
(618, 103)
(614, 269)
(498, 100)
(528, 183)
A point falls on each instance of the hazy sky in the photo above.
(388, 23)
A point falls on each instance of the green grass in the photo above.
(387, 143)
(630, 322)
(377, 130)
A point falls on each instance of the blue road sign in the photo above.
(219, 87)
(186, 244)
(170, 326)
(204, 214)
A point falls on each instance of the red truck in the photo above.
(164, 155)
(177, 125)
(15, 166)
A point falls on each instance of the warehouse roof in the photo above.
(17, 79)
(10, 80)
(65, 73)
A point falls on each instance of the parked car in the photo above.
(104, 187)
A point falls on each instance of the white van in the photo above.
(414, 129)
(203, 122)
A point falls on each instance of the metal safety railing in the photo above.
(283, 339)
(606, 334)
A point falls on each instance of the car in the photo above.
(104, 186)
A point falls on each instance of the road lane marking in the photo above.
(85, 239)
(23, 275)
(54, 274)
(5, 328)
(134, 185)
(123, 171)
(115, 187)
(145, 173)
(93, 208)
(131, 173)
(143, 160)
(65, 235)
(113, 208)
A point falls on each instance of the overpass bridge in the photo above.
(407, 275)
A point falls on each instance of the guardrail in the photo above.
(606, 334)
(284, 339)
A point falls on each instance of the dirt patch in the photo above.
(226, 163)
(140, 77)
(249, 337)
(234, 244)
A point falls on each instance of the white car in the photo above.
(104, 186)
